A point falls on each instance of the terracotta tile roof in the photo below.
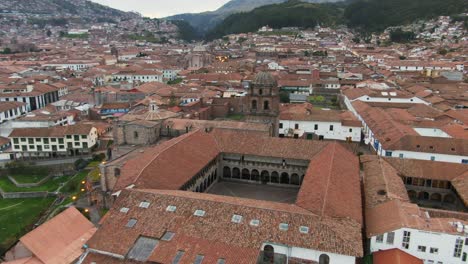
(60, 240)
(461, 186)
(449, 146)
(426, 169)
(396, 214)
(57, 131)
(456, 130)
(381, 182)
(322, 189)
(394, 256)
(203, 235)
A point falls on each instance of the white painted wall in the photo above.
(390, 99)
(431, 132)
(310, 254)
(444, 242)
(339, 132)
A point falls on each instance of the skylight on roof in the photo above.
(198, 259)
(304, 229)
(142, 249)
(124, 210)
(131, 223)
(221, 261)
(384, 93)
(144, 204)
(236, 219)
(283, 227)
(168, 236)
(171, 208)
(254, 222)
(200, 213)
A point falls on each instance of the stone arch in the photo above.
(274, 177)
(449, 199)
(295, 179)
(284, 178)
(265, 176)
(254, 104)
(226, 172)
(412, 194)
(236, 173)
(436, 197)
(324, 259)
(268, 254)
(423, 196)
(245, 174)
(255, 175)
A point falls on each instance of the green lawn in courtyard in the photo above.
(31, 178)
(51, 185)
(18, 216)
(236, 117)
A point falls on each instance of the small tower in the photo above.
(264, 95)
(153, 107)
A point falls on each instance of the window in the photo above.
(379, 239)
(124, 210)
(15, 140)
(84, 136)
(434, 250)
(324, 259)
(388, 153)
(135, 134)
(422, 248)
(168, 236)
(280, 125)
(296, 126)
(432, 158)
(331, 127)
(46, 141)
(76, 137)
(236, 219)
(171, 208)
(458, 248)
(144, 204)
(200, 213)
(400, 155)
(304, 229)
(38, 140)
(198, 259)
(406, 239)
(465, 161)
(390, 238)
(283, 227)
(315, 127)
(254, 222)
(53, 140)
(221, 261)
(131, 223)
(350, 130)
(23, 139)
(178, 257)
(142, 249)
(60, 140)
(30, 140)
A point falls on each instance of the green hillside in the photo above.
(289, 14)
(376, 15)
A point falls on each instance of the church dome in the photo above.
(264, 79)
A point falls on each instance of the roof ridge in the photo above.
(328, 180)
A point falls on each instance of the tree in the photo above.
(284, 97)
(7, 51)
(356, 40)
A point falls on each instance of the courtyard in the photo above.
(255, 191)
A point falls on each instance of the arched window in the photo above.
(254, 104)
(295, 179)
(265, 177)
(268, 254)
(236, 173)
(274, 177)
(255, 175)
(245, 174)
(260, 91)
(284, 178)
(116, 172)
(266, 105)
(324, 259)
(226, 172)
(423, 196)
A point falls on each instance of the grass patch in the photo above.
(74, 185)
(28, 178)
(94, 164)
(236, 117)
(51, 185)
(17, 217)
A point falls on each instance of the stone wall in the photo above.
(16, 195)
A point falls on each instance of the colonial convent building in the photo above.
(226, 196)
